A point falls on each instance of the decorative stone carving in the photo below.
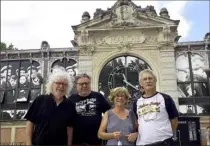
(120, 39)
(25, 55)
(166, 46)
(84, 38)
(86, 50)
(151, 40)
(45, 45)
(164, 13)
(150, 11)
(36, 55)
(12, 56)
(124, 17)
(124, 47)
(166, 34)
(57, 54)
(98, 13)
(85, 17)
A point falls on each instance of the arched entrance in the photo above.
(122, 71)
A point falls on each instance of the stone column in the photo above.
(168, 81)
(85, 61)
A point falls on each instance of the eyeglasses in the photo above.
(148, 78)
(82, 84)
(61, 83)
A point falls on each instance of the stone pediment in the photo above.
(124, 13)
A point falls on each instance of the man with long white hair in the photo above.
(50, 117)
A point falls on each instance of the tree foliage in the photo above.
(4, 47)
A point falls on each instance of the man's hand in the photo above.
(132, 137)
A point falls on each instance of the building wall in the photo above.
(14, 132)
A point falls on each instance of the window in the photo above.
(193, 82)
(20, 84)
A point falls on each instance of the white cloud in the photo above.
(27, 23)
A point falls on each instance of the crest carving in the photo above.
(86, 50)
(120, 39)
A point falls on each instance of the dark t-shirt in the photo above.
(89, 115)
(50, 121)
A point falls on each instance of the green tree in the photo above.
(4, 47)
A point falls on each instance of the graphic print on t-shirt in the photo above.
(149, 111)
(86, 107)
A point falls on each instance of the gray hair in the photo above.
(63, 75)
(147, 71)
(83, 75)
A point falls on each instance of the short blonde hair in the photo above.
(117, 91)
(147, 71)
(61, 75)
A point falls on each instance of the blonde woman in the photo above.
(118, 125)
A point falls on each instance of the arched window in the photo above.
(122, 71)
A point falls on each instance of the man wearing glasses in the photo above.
(156, 112)
(89, 106)
(50, 118)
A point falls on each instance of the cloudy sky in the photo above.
(26, 24)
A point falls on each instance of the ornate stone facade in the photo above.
(129, 29)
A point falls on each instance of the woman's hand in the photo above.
(116, 135)
(132, 136)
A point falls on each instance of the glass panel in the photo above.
(2, 93)
(57, 65)
(198, 65)
(36, 77)
(34, 94)
(182, 68)
(7, 115)
(203, 108)
(71, 68)
(201, 89)
(23, 76)
(185, 90)
(10, 97)
(192, 131)
(5, 74)
(22, 95)
(20, 114)
(12, 80)
(186, 109)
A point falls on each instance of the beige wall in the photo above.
(14, 132)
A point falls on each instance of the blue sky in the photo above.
(26, 24)
(198, 13)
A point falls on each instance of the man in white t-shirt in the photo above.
(156, 112)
